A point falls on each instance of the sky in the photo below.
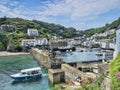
(80, 14)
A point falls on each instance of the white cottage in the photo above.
(41, 41)
(32, 32)
(111, 31)
(28, 42)
(34, 42)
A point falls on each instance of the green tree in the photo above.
(4, 40)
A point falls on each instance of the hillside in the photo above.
(12, 41)
(92, 31)
(57, 29)
(44, 28)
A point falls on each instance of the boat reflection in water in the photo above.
(27, 74)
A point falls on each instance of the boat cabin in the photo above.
(31, 71)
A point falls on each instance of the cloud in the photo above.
(75, 13)
(3, 2)
(79, 9)
(13, 9)
(4, 8)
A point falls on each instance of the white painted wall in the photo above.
(117, 48)
(32, 32)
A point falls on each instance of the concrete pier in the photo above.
(71, 73)
(65, 74)
(58, 72)
(56, 76)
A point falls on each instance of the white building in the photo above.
(32, 32)
(112, 45)
(87, 43)
(94, 36)
(41, 41)
(34, 42)
(111, 31)
(7, 28)
(105, 43)
(55, 38)
(117, 48)
(103, 34)
(28, 42)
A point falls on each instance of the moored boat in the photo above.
(64, 49)
(27, 74)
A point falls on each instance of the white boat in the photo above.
(27, 74)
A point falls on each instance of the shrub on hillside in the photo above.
(114, 73)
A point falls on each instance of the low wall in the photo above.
(71, 73)
(41, 56)
(103, 68)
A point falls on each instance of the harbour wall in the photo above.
(41, 56)
(65, 74)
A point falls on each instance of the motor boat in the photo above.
(27, 74)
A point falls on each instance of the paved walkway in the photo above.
(106, 83)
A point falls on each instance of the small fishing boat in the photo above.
(27, 74)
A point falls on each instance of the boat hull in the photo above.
(65, 49)
(23, 78)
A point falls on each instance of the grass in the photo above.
(114, 69)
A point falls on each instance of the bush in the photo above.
(114, 69)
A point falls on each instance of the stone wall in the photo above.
(41, 56)
(56, 76)
(71, 73)
(103, 68)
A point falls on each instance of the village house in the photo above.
(103, 34)
(28, 42)
(113, 43)
(111, 31)
(74, 41)
(94, 36)
(106, 43)
(32, 32)
(55, 38)
(71, 41)
(58, 43)
(7, 28)
(77, 42)
(87, 43)
(34, 42)
(41, 41)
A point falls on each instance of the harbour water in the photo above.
(13, 64)
(81, 56)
